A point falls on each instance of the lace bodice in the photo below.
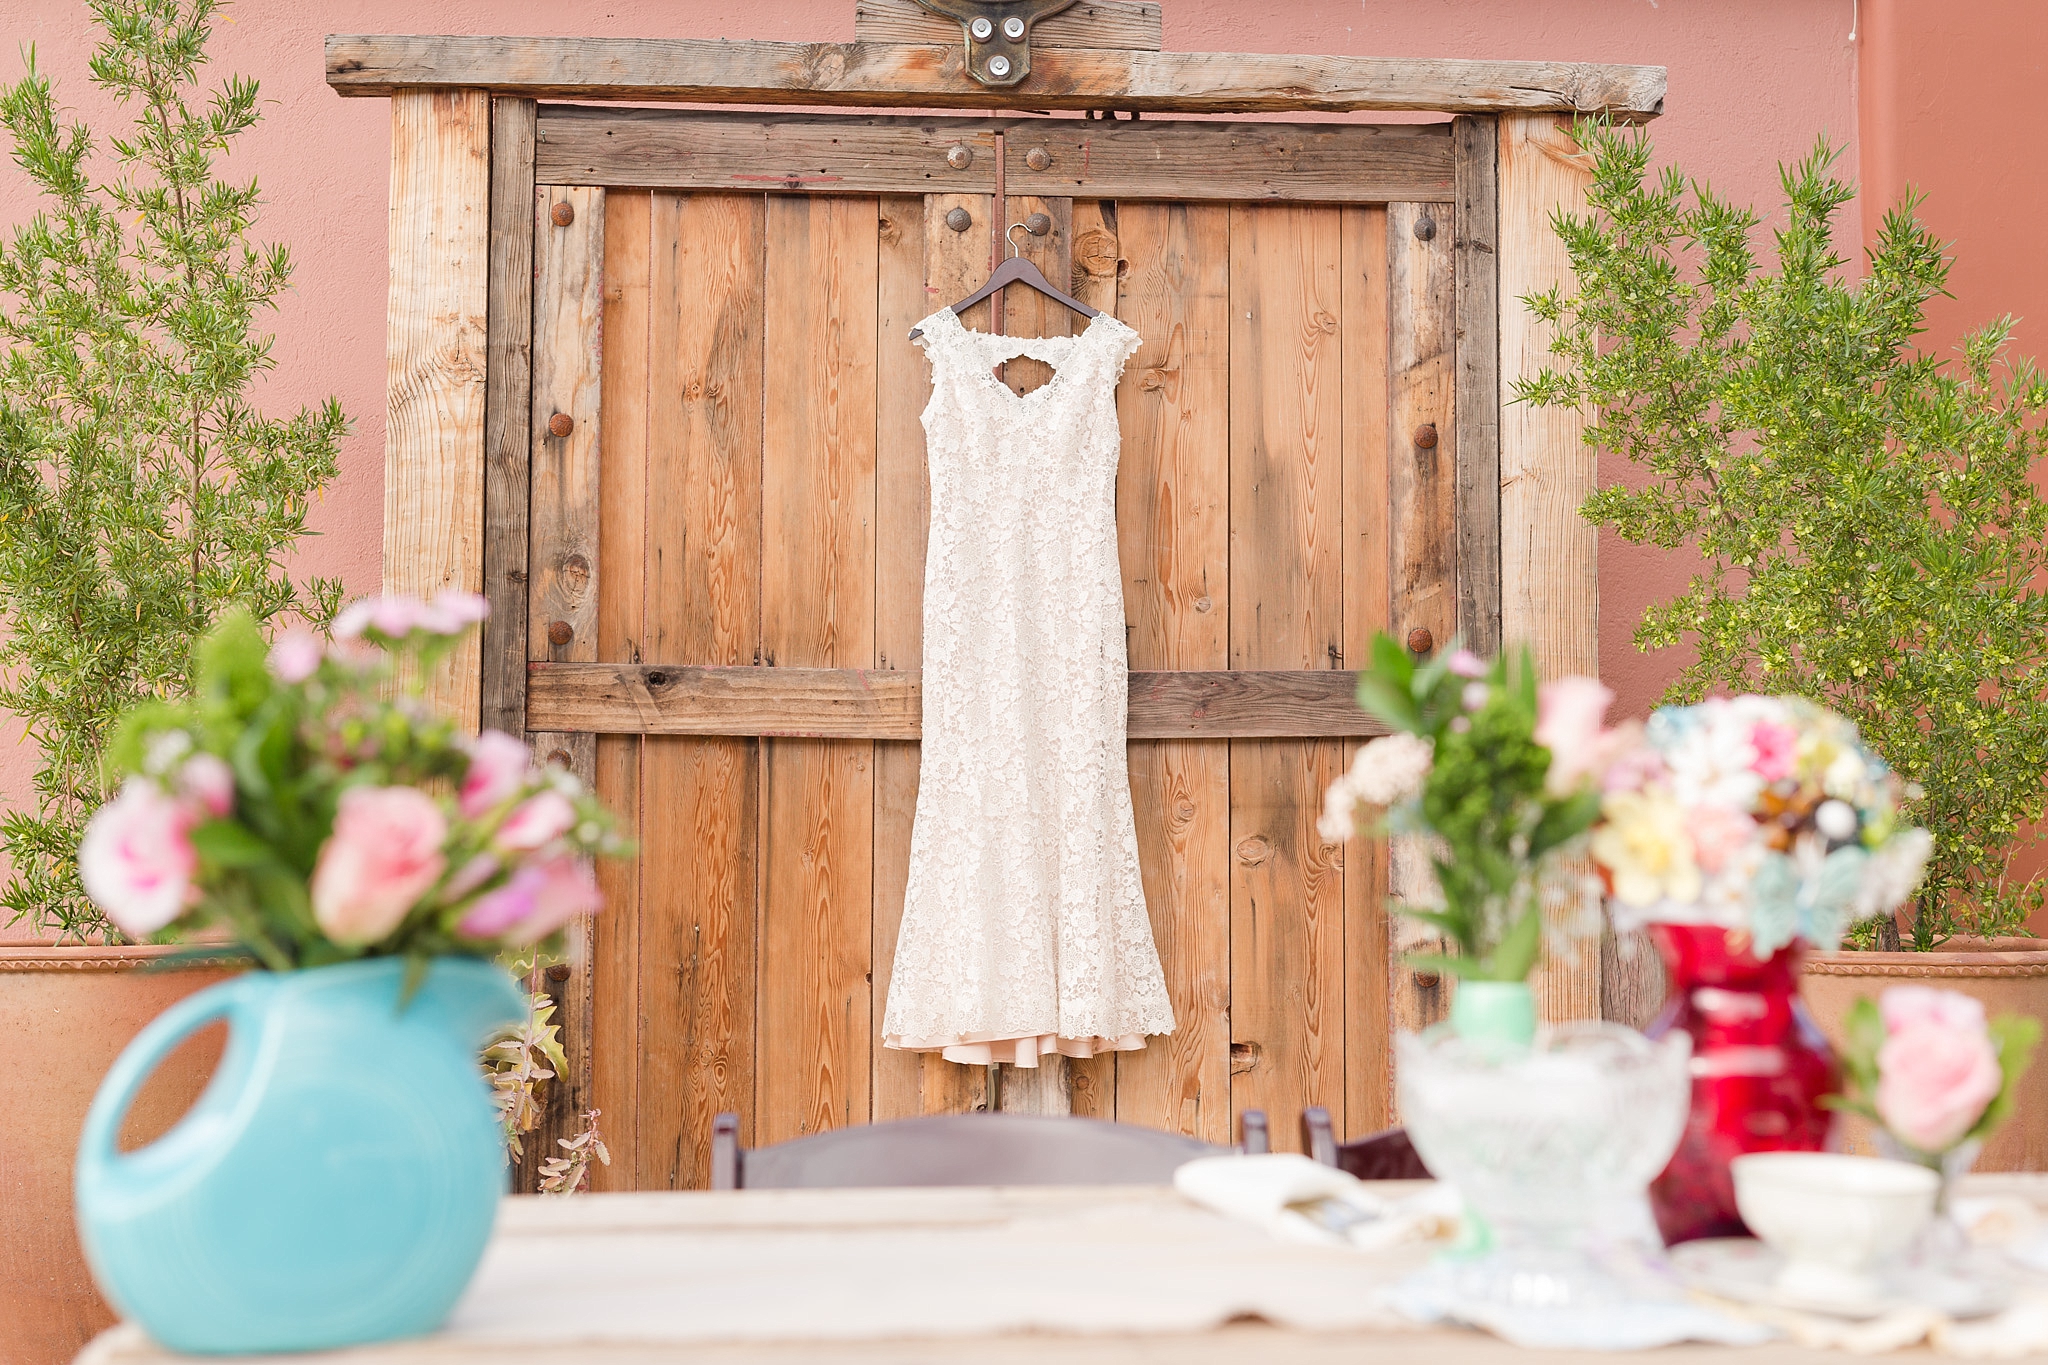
(1024, 926)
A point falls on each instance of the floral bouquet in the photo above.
(316, 811)
(1928, 1068)
(1763, 815)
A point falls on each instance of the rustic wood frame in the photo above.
(468, 159)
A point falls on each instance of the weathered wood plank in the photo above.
(1286, 611)
(568, 332)
(1550, 596)
(882, 704)
(569, 983)
(1368, 1044)
(1474, 258)
(850, 153)
(1092, 23)
(615, 1042)
(436, 343)
(1351, 163)
(700, 859)
(818, 611)
(1173, 504)
(508, 384)
(902, 387)
(705, 71)
(828, 154)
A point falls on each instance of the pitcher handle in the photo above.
(97, 1143)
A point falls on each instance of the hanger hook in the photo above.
(1012, 240)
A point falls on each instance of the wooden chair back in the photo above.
(1382, 1156)
(963, 1149)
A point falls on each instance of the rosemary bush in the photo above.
(140, 492)
(1871, 533)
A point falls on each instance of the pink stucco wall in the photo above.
(1751, 82)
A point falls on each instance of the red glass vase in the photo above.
(1759, 1069)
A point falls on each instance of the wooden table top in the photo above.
(1094, 1276)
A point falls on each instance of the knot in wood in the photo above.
(1038, 159)
(562, 214)
(1204, 604)
(1425, 436)
(560, 632)
(1420, 641)
(959, 158)
(561, 424)
(1255, 850)
(959, 219)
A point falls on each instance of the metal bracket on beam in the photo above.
(998, 34)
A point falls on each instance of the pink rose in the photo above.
(1937, 1069)
(1775, 745)
(536, 902)
(1570, 716)
(537, 821)
(469, 877)
(208, 781)
(1718, 834)
(384, 854)
(498, 767)
(296, 655)
(137, 860)
(1466, 664)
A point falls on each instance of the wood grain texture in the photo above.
(1173, 508)
(1368, 1021)
(1351, 163)
(700, 71)
(568, 346)
(851, 703)
(1474, 259)
(1092, 23)
(1550, 597)
(817, 609)
(436, 343)
(815, 153)
(700, 860)
(1286, 611)
(508, 383)
(615, 1042)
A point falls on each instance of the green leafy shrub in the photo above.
(141, 493)
(1871, 535)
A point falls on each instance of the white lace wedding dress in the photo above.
(1024, 928)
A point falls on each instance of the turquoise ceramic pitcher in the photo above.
(336, 1182)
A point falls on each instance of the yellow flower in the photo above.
(1643, 843)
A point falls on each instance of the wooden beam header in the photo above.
(707, 71)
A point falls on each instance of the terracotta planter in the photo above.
(65, 1014)
(2010, 975)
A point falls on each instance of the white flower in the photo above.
(1892, 874)
(1835, 819)
(1386, 772)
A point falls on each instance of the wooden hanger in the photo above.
(1015, 270)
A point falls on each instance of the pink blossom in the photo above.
(1466, 664)
(1632, 763)
(1718, 834)
(1474, 696)
(1937, 1070)
(392, 616)
(137, 859)
(536, 902)
(296, 655)
(1570, 714)
(1775, 747)
(499, 766)
(208, 781)
(469, 877)
(384, 854)
(539, 820)
(452, 612)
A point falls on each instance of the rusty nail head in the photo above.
(561, 424)
(1425, 436)
(1425, 227)
(1426, 979)
(562, 214)
(1038, 158)
(1038, 224)
(559, 757)
(1420, 641)
(959, 157)
(959, 219)
(561, 632)
(558, 972)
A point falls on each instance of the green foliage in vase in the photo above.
(1871, 535)
(141, 492)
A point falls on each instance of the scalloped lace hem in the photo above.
(982, 1049)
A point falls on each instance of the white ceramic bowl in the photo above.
(1832, 1217)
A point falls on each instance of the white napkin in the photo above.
(1267, 1190)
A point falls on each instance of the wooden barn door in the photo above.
(726, 552)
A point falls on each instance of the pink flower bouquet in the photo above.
(315, 810)
(1931, 1070)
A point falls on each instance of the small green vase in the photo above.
(1497, 1012)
